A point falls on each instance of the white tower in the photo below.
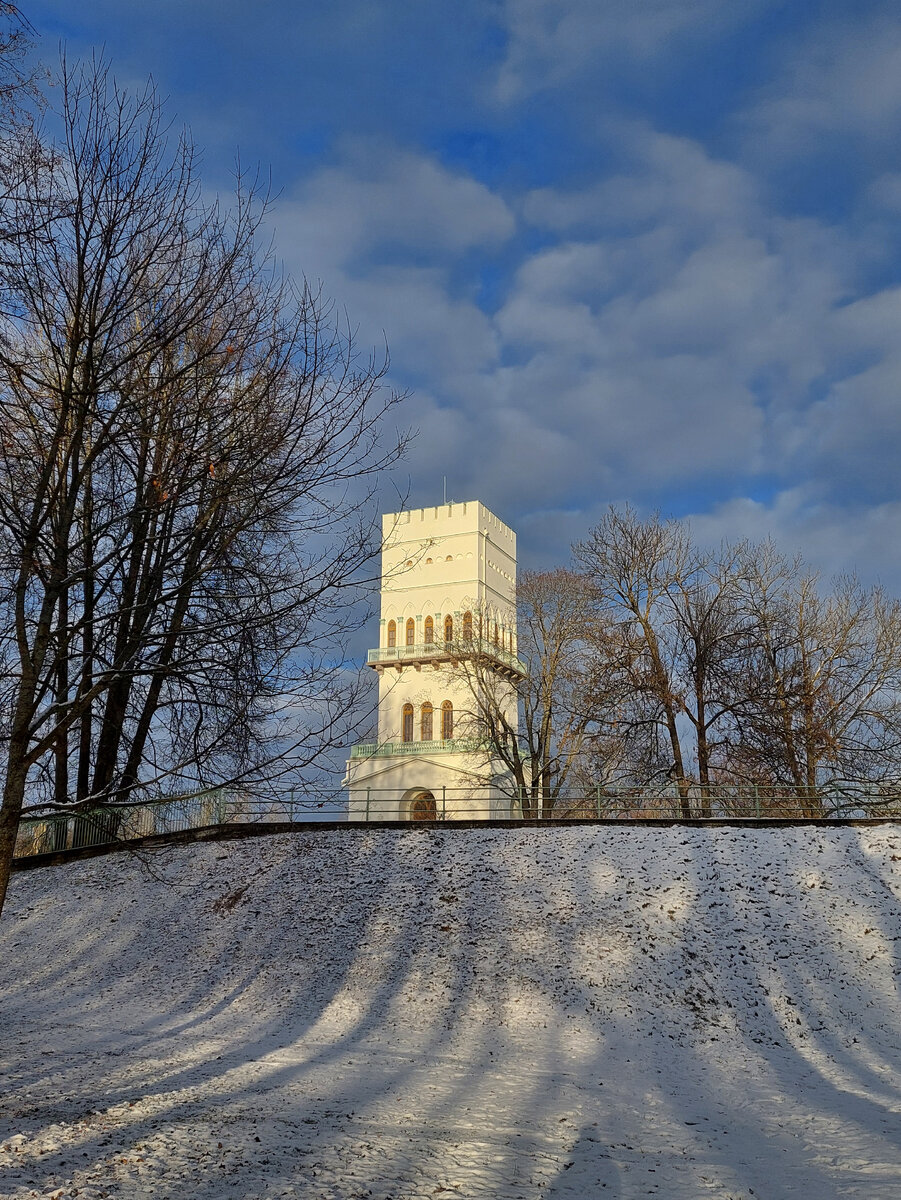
(448, 597)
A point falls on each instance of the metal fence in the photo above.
(713, 802)
(50, 832)
(47, 833)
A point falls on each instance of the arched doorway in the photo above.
(423, 807)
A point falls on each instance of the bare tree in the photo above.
(187, 456)
(19, 78)
(738, 666)
(532, 712)
(21, 100)
(634, 568)
(708, 630)
(819, 708)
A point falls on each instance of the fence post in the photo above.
(367, 803)
(444, 802)
(598, 801)
(756, 801)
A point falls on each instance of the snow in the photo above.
(496, 1013)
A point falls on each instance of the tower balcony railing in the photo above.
(386, 656)
(391, 749)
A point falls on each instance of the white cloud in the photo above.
(668, 177)
(885, 191)
(672, 345)
(384, 199)
(844, 78)
(674, 336)
(856, 429)
(549, 41)
(834, 538)
(382, 231)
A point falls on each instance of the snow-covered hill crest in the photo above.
(496, 1013)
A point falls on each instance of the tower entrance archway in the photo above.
(421, 805)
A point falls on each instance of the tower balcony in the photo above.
(393, 749)
(445, 652)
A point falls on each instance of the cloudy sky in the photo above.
(642, 250)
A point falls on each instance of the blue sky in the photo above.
(641, 250)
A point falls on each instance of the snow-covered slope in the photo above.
(566, 1012)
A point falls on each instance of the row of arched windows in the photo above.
(426, 722)
(501, 636)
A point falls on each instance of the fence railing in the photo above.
(721, 802)
(55, 831)
(385, 655)
(391, 749)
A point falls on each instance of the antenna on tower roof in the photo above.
(445, 488)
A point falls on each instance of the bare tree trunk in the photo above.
(86, 721)
(61, 753)
(664, 693)
(703, 749)
(11, 810)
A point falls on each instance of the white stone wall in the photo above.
(444, 560)
(383, 787)
(418, 581)
(440, 561)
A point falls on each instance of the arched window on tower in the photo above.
(448, 628)
(496, 633)
(467, 627)
(425, 723)
(392, 633)
(447, 721)
(429, 633)
(411, 632)
(407, 732)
